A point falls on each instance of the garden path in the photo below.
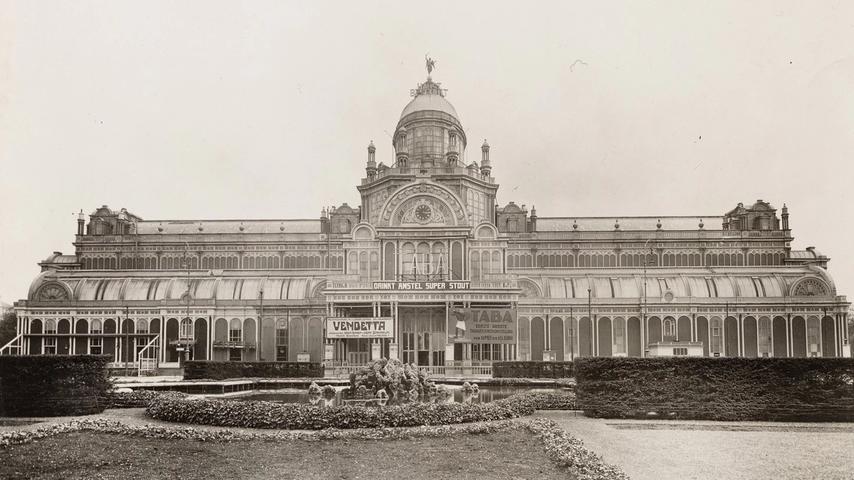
(667, 449)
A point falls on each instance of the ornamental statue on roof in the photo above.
(431, 64)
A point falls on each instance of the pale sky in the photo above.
(206, 109)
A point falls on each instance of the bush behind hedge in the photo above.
(53, 385)
(197, 369)
(531, 369)
(300, 416)
(782, 389)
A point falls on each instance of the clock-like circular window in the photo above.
(423, 213)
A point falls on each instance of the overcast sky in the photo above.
(188, 110)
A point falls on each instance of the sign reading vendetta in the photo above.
(371, 327)
(475, 325)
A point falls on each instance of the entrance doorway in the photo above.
(423, 335)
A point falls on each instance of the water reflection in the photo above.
(291, 395)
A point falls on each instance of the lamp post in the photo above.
(590, 318)
(187, 297)
(127, 340)
(571, 337)
(644, 304)
(260, 322)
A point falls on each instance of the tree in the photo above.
(8, 327)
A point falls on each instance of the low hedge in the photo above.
(532, 370)
(139, 398)
(196, 370)
(780, 389)
(301, 416)
(53, 385)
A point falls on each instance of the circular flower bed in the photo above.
(296, 416)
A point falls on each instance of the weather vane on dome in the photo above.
(431, 64)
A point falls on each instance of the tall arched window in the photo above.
(475, 265)
(282, 340)
(186, 332)
(235, 331)
(717, 337)
(49, 347)
(96, 344)
(669, 329)
(408, 252)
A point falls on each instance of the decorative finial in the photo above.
(617, 224)
(658, 225)
(575, 224)
(701, 224)
(431, 64)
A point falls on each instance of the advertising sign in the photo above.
(422, 286)
(482, 325)
(368, 327)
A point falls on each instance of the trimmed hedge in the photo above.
(53, 385)
(196, 370)
(532, 370)
(301, 416)
(779, 389)
(138, 398)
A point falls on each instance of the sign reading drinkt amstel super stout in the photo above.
(369, 327)
(422, 286)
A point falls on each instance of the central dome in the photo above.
(429, 132)
(430, 97)
(432, 102)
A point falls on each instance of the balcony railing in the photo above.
(357, 282)
(227, 344)
(427, 170)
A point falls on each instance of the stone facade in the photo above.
(459, 280)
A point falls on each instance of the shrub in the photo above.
(532, 370)
(138, 398)
(196, 369)
(300, 416)
(790, 389)
(53, 385)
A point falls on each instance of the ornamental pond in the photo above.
(484, 394)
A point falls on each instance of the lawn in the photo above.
(506, 454)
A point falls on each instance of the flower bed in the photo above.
(138, 398)
(256, 414)
(563, 448)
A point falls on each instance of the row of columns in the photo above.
(840, 332)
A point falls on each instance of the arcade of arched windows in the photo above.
(721, 336)
(365, 263)
(213, 261)
(484, 262)
(628, 259)
(424, 259)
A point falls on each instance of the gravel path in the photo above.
(650, 449)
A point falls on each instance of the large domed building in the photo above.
(430, 269)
